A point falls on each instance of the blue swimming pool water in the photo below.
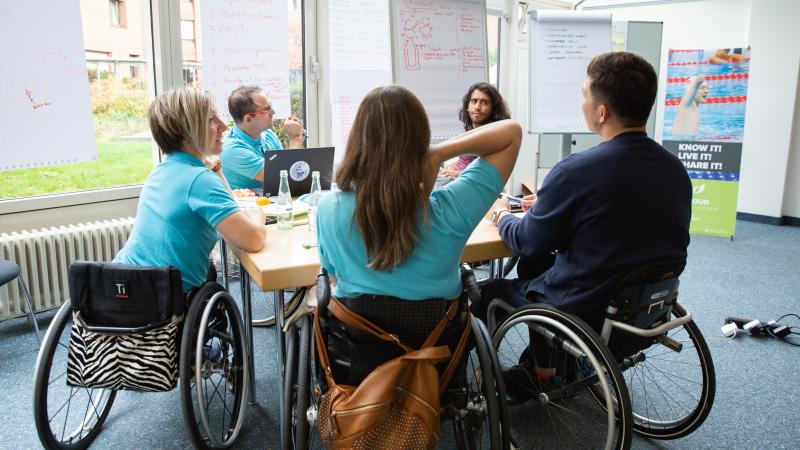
(708, 69)
(718, 121)
(716, 88)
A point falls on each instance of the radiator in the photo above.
(45, 255)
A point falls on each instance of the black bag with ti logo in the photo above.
(125, 326)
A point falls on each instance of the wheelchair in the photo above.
(212, 371)
(474, 401)
(649, 370)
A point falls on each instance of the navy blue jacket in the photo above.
(606, 211)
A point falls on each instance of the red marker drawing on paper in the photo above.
(36, 106)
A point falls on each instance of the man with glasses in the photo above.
(243, 152)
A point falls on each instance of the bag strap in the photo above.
(322, 349)
(358, 322)
(455, 358)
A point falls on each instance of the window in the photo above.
(120, 87)
(187, 30)
(493, 22)
(119, 16)
(121, 82)
(113, 6)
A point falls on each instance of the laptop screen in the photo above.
(299, 163)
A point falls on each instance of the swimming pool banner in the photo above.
(703, 125)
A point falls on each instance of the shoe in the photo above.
(585, 368)
(212, 351)
(522, 385)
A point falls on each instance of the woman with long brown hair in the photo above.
(387, 232)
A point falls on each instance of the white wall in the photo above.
(771, 99)
(769, 176)
(791, 199)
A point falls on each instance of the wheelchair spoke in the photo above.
(669, 397)
(66, 403)
(86, 414)
(64, 428)
(672, 376)
(675, 361)
(91, 402)
(661, 391)
(64, 373)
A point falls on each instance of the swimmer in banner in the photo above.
(687, 119)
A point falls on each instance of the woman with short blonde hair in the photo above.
(186, 200)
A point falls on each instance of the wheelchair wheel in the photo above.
(66, 417)
(562, 412)
(213, 370)
(480, 423)
(302, 390)
(671, 392)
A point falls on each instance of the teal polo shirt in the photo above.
(432, 271)
(179, 208)
(243, 157)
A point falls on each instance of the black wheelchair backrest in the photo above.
(125, 296)
(644, 297)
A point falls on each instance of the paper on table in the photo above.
(299, 208)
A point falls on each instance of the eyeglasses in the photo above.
(267, 110)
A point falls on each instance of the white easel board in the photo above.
(561, 44)
(46, 114)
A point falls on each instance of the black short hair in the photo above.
(240, 103)
(499, 107)
(626, 84)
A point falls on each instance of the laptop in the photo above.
(299, 163)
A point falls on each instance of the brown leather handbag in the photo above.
(397, 405)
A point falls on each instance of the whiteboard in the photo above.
(244, 43)
(46, 114)
(360, 49)
(561, 44)
(439, 51)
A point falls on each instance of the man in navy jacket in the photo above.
(602, 212)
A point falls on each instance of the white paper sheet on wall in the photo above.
(439, 50)
(244, 43)
(561, 45)
(46, 115)
(360, 52)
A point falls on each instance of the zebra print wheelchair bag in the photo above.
(125, 329)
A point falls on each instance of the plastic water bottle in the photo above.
(313, 202)
(285, 211)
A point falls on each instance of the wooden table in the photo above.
(283, 263)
